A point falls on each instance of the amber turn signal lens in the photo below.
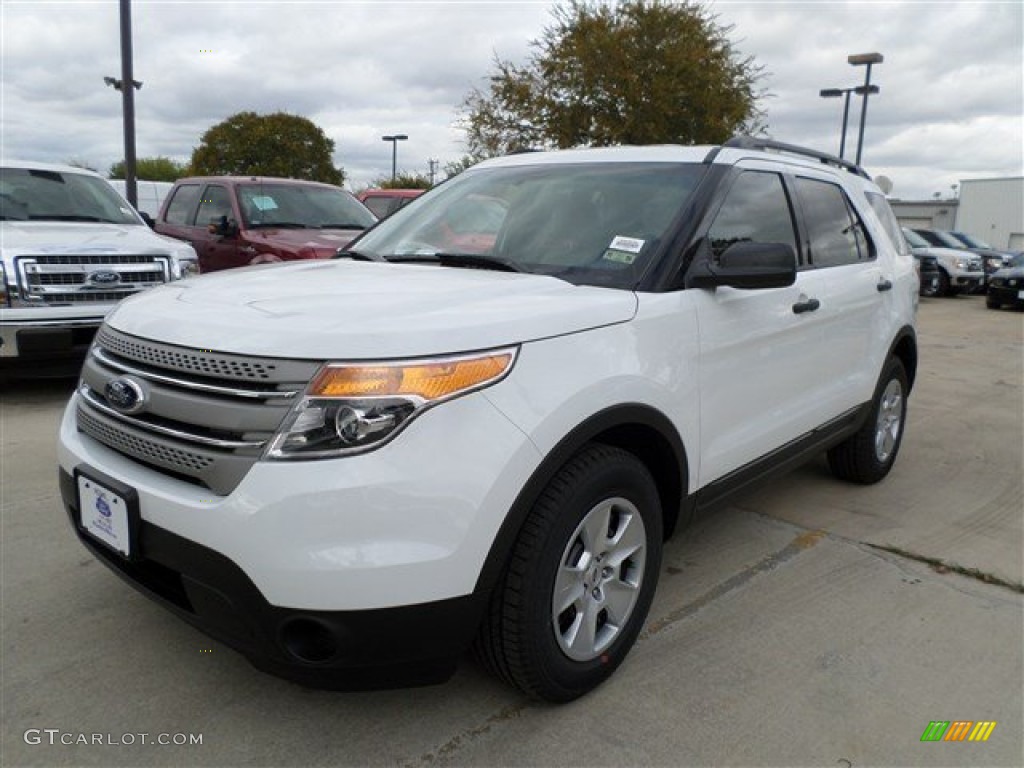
(430, 380)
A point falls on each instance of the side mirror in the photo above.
(744, 265)
(223, 227)
(148, 219)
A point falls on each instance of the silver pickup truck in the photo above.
(70, 248)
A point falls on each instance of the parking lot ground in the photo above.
(811, 623)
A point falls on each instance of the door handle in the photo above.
(884, 285)
(806, 306)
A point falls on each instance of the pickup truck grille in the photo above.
(207, 416)
(89, 278)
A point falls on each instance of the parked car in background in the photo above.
(960, 271)
(991, 259)
(1006, 285)
(384, 202)
(994, 258)
(70, 248)
(234, 221)
(928, 272)
(150, 194)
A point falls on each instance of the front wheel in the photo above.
(580, 580)
(867, 456)
(992, 302)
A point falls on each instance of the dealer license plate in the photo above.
(1020, 294)
(104, 515)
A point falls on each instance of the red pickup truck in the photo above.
(234, 221)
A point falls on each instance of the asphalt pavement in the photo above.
(810, 623)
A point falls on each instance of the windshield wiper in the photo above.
(470, 260)
(279, 225)
(347, 225)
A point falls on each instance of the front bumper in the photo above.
(1007, 294)
(30, 339)
(349, 573)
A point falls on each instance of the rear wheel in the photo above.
(868, 455)
(580, 579)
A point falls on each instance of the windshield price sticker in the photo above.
(627, 244)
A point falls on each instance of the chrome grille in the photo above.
(89, 278)
(186, 360)
(142, 448)
(207, 415)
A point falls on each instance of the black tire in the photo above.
(992, 302)
(522, 639)
(945, 289)
(867, 456)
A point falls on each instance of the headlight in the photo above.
(994, 263)
(185, 266)
(355, 407)
(961, 263)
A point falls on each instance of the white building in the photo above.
(993, 210)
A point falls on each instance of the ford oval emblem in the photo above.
(125, 395)
(104, 277)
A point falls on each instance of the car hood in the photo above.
(40, 237)
(946, 253)
(1009, 273)
(342, 309)
(325, 242)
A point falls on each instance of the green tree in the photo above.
(283, 145)
(635, 72)
(455, 167)
(403, 180)
(152, 169)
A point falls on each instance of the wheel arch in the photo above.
(639, 429)
(904, 348)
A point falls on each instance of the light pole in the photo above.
(127, 101)
(394, 150)
(858, 60)
(835, 93)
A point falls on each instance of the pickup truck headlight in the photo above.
(185, 266)
(354, 407)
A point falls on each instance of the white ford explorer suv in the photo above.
(477, 426)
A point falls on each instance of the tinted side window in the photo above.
(835, 231)
(179, 210)
(756, 209)
(215, 203)
(885, 215)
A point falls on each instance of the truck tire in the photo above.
(580, 579)
(867, 456)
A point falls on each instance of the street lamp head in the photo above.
(859, 59)
(831, 93)
(396, 137)
(861, 90)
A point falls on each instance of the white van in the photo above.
(150, 194)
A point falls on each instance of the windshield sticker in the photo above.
(620, 257)
(264, 203)
(627, 244)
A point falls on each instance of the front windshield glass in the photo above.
(915, 240)
(33, 195)
(947, 239)
(589, 223)
(970, 241)
(301, 206)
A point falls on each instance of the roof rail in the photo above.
(751, 142)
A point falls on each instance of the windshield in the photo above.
(970, 241)
(589, 223)
(27, 195)
(301, 206)
(940, 238)
(915, 240)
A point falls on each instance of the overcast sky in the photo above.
(950, 107)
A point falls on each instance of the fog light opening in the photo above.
(309, 641)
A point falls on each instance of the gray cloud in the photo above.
(950, 107)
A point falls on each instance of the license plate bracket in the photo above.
(108, 512)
